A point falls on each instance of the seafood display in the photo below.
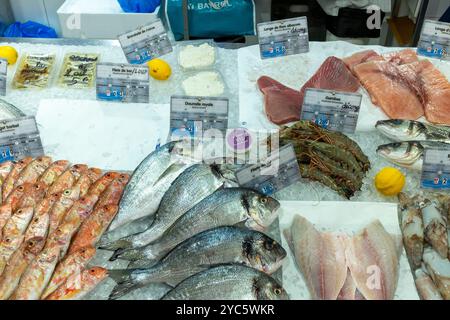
(9, 111)
(424, 224)
(329, 157)
(50, 224)
(343, 269)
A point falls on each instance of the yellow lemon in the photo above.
(9, 53)
(390, 181)
(159, 69)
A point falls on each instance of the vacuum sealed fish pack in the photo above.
(78, 70)
(34, 71)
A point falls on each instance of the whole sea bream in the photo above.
(149, 182)
(225, 207)
(213, 247)
(408, 130)
(193, 185)
(232, 282)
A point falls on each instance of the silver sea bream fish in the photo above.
(230, 282)
(149, 182)
(188, 189)
(409, 130)
(218, 246)
(225, 207)
(408, 154)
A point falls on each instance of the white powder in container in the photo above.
(197, 57)
(205, 84)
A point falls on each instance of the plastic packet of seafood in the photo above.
(34, 71)
(206, 83)
(197, 55)
(78, 70)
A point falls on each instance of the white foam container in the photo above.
(99, 19)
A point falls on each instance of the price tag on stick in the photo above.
(435, 40)
(332, 110)
(277, 172)
(192, 116)
(283, 37)
(436, 168)
(122, 83)
(19, 138)
(145, 43)
(3, 73)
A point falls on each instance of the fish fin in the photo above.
(142, 263)
(172, 168)
(130, 255)
(242, 224)
(288, 235)
(122, 289)
(121, 244)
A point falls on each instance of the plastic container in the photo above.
(34, 71)
(78, 70)
(201, 84)
(197, 55)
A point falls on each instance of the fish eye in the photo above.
(36, 219)
(67, 192)
(92, 271)
(108, 175)
(7, 240)
(269, 245)
(277, 291)
(19, 211)
(264, 200)
(20, 188)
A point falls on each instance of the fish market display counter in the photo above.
(335, 210)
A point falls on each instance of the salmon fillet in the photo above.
(372, 257)
(361, 57)
(433, 89)
(320, 257)
(390, 89)
(401, 57)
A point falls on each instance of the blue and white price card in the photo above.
(145, 43)
(3, 74)
(332, 110)
(283, 37)
(19, 138)
(436, 168)
(192, 116)
(122, 83)
(435, 40)
(278, 171)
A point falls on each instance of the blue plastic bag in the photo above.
(30, 29)
(2, 28)
(212, 18)
(139, 6)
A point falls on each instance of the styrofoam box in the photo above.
(99, 19)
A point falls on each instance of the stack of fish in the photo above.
(412, 138)
(425, 229)
(51, 216)
(190, 211)
(329, 157)
(339, 267)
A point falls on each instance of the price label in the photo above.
(435, 40)
(332, 110)
(275, 173)
(193, 116)
(283, 37)
(3, 73)
(19, 138)
(436, 168)
(122, 83)
(145, 43)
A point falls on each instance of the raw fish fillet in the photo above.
(282, 104)
(332, 75)
(320, 257)
(432, 87)
(361, 57)
(401, 57)
(390, 90)
(372, 257)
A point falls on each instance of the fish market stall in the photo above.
(134, 214)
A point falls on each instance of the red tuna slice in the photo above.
(332, 75)
(282, 106)
(390, 89)
(361, 57)
(401, 57)
(433, 88)
(265, 83)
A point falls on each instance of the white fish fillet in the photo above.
(320, 257)
(372, 257)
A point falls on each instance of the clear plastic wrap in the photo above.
(78, 70)
(197, 55)
(34, 71)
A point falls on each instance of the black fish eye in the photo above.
(268, 245)
(263, 200)
(277, 291)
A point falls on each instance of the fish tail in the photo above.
(122, 288)
(120, 275)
